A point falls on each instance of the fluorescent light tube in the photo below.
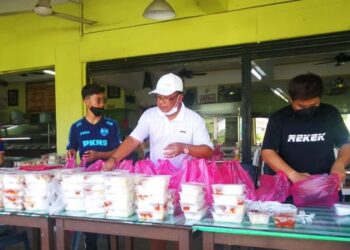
(256, 74)
(49, 72)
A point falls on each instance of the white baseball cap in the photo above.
(168, 84)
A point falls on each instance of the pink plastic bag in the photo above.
(70, 163)
(166, 168)
(218, 154)
(96, 166)
(199, 170)
(232, 172)
(126, 165)
(83, 162)
(145, 167)
(274, 187)
(317, 190)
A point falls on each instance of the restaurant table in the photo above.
(327, 231)
(172, 228)
(38, 220)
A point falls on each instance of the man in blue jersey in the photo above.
(94, 136)
(2, 153)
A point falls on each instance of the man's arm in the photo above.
(2, 157)
(128, 145)
(341, 162)
(199, 151)
(274, 161)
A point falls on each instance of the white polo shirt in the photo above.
(187, 127)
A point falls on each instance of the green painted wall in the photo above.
(28, 41)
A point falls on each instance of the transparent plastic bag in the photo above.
(274, 187)
(316, 190)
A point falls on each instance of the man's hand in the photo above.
(91, 155)
(296, 176)
(339, 169)
(173, 149)
(109, 164)
(71, 153)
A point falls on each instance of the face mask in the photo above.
(97, 111)
(306, 112)
(173, 110)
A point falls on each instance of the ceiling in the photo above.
(22, 5)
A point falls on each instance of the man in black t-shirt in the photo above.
(300, 138)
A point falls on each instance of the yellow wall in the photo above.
(28, 41)
(5, 110)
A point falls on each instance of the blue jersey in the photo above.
(2, 146)
(102, 136)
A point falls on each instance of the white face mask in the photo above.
(173, 110)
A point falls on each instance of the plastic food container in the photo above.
(119, 181)
(193, 188)
(198, 215)
(116, 205)
(157, 181)
(228, 189)
(232, 200)
(36, 204)
(94, 178)
(223, 217)
(285, 218)
(147, 190)
(158, 207)
(189, 198)
(118, 191)
(120, 212)
(259, 217)
(120, 198)
(192, 207)
(228, 209)
(74, 178)
(13, 192)
(74, 204)
(151, 194)
(151, 215)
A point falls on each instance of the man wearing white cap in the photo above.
(174, 131)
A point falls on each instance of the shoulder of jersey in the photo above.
(78, 123)
(110, 121)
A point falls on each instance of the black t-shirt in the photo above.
(307, 145)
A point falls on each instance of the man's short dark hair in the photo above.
(91, 89)
(306, 86)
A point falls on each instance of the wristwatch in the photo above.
(186, 150)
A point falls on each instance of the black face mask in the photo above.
(97, 111)
(306, 113)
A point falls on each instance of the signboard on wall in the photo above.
(207, 94)
(40, 97)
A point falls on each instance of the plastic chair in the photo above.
(13, 238)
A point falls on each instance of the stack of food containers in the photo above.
(258, 212)
(152, 197)
(13, 189)
(36, 190)
(228, 202)
(73, 191)
(94, 192)
(192, 200)
(171, 201)
(119, 195)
